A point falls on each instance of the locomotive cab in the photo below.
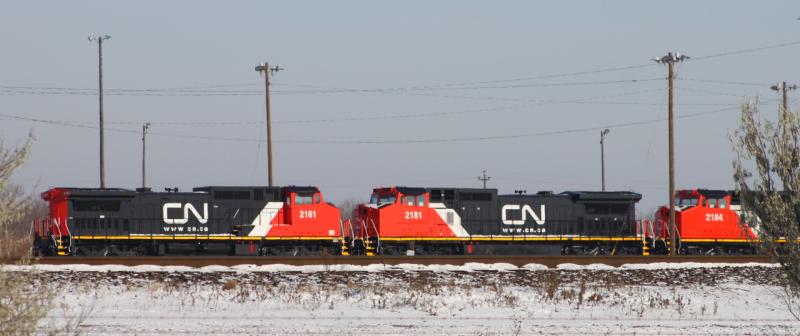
(397, 212)
(305, 210)
(397, 218)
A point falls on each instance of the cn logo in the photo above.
(186, 208)
(526, 211)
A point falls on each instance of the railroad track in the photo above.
(549, 261)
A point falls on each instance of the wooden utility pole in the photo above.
(267, 71)
(784, 88)
(484, 179)
(144, 154)
(670, 60)
(672, 232)
(100, 40)
(785, 101)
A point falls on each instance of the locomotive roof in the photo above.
(713, 193)
(604, 195)
(228, 188)
(412, 191)
(301, 189)
(98, 191)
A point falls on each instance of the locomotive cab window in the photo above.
(421, 200)
(712, 203)
(302, 200)
(373, 199)
(722, 203)
(408, 200)
(316, 198)
(388, 199)
(687, 202)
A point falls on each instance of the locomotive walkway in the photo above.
(549, 261)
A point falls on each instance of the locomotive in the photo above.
(217, 219)
(706, 222)
(411, 221)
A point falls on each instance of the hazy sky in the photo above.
(434, 86)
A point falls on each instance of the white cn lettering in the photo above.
(526, 211)
(186, 208)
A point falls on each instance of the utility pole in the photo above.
(670, 60)
(267, 71)
(603, 134)
(484, 179)
(144, 154)
(100, 40)
(784, 88)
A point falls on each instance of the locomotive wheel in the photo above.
(108, 252)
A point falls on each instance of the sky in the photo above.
(414, 93)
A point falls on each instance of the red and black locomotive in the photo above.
(228, 220)
(402, 220)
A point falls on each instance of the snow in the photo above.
(482, 299)
(467, 267)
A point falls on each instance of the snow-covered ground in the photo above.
(475, 299)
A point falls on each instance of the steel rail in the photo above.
(549, 261)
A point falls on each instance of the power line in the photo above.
(603, 70)
(542, 102)
(198, 90)
(689, 89)
(721, 82)
(32, 90)
(520, 79)
(746, 51)
(408, 141)
(546, 102)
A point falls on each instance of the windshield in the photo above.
(686, 202)
(373, 199)
(302, 199)
(387, 199)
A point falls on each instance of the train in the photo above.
(397, 220)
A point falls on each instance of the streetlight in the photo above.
(603, 134)
(670, 59)
(144, 156)
(100, 40)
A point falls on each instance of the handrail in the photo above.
(34, 224)
(352, 233)
(377, 234)
(58, 227)
(365, 234)
(341, 228)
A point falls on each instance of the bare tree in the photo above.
(14, 203)
(347, 207)
(21, 304)
(769, 193)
